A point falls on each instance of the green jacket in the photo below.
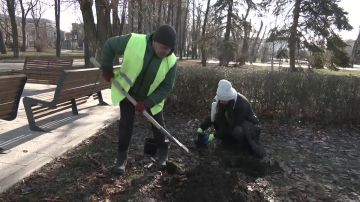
(116, 46)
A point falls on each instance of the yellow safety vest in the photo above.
(132, 65)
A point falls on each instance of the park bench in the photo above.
(11, 88)
(73, 88)
(46, 70)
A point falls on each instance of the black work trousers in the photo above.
(247, 134)
(126, 124)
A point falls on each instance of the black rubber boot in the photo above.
(121, 163)
(163, 150)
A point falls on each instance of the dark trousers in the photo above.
(247, 134)
(126, 124)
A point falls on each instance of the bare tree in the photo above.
(115, 17)
(293, 34)
(227, 46)
(140, 16)
(202, 46)
(159, 13)
(259, 44)
(183, 33)
(228, 20)
(123, 13)
(169, 11)
(193, 33)
(103, 10)
(132, 15)
(252, 57)
(11, 10)
(24, 13)
(2, 44)
(178, 25)
(36, 14)
(246, 27)
(57, 21)
(90, 39)
(355, 50)
(5, 23)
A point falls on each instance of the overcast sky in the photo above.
(71, 14)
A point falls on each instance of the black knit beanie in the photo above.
(165, 35)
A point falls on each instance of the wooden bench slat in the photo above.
(8, 96)
(73, 87)
(44, 113)
(73, 94)
(5, 107)
(78, 84)
(6, 113)
(11, 88)
(7, 83)
(45, 70)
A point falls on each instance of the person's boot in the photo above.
(163, 150)
(121, 162)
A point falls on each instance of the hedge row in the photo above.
(282, 96)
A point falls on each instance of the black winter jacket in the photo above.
(232, 114)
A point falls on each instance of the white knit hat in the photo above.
(225, 91)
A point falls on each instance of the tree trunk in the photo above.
(245, 46)
(184, 31)
(2, 44)
(123, 17)
(11, 10)
(202, 46)
(23, 21)
(131, 15)
(194, 41)
(293, 35)
(103, 11)
(57, 21)
(140, 16)
(355, 50)
(252, 53)
(87, 52)
(158, 23)
(115, 18)
(23, 26)
(223, 59)
(152, 21)
(228, 21)
(198, 28)
(178, 27)
(259, 44)
(169, 11)
(89, 29)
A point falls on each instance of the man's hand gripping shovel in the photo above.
(145, 113)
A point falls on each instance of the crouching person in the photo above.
(233, 120)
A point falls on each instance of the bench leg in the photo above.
(30, 116)
(100, 98)
(74, 107)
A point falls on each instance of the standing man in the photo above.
(233, 120)
(150, 64)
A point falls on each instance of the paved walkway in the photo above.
(29, 150)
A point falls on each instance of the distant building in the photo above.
(74, 40)
(46, 32)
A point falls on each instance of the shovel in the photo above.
(145, 113)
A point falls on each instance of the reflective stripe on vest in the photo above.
(132, 65)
